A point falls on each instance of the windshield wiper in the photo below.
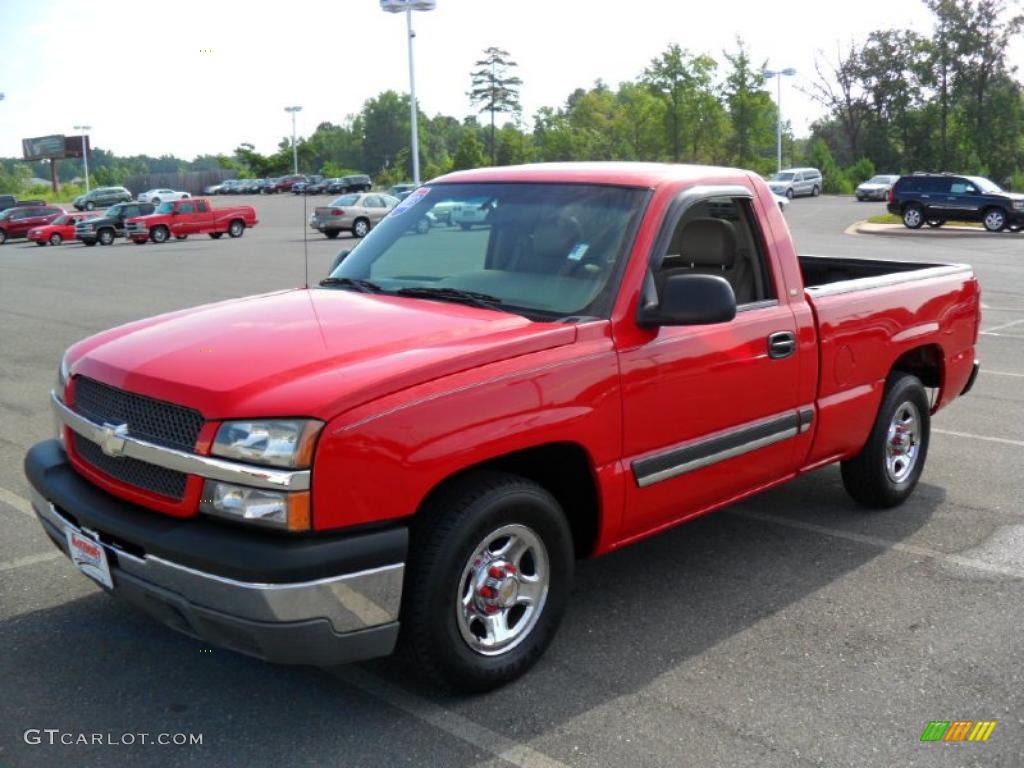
(363, 286)
(474, 299)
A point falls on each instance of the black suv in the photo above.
(104, 229)
(357, 183)
(935, 198)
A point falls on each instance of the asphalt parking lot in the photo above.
(790, 630)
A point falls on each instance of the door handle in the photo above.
(781, 344)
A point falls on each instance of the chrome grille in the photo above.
(165, 482)
(155, 421)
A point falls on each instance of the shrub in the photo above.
(860, 171)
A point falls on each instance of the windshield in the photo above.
(781, 177)
(164, 208)
(544, 250)
(62, 220)
(879, 180)
(984, 184)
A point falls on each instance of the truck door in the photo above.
(203, 217)
(710, 410)
(183, 220)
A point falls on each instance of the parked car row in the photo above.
(318, 185)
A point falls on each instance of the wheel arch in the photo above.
(564, 469)
(926, 362)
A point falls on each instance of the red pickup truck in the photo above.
(424, 443)
(193, 216)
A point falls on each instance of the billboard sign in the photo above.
(43, 147)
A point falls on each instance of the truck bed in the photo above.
(826, 275)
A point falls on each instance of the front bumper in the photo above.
(321, 599)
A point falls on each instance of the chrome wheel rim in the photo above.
(994, 221)
(235, 228)
(912, 217)
(159, 235)
(503, 589)
(903, 442)
(361, 229)
(55, 239)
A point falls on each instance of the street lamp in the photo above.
(408, 6)
(85, 154)
(295, 149)
(779, 73)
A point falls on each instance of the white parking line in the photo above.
(1003, 373)
(995, 328)
(875, 541)
(444, 720)
(986, 438)
(21, 562)
(15, 501)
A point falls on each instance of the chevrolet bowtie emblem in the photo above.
(112, 439)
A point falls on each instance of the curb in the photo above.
(898, 230)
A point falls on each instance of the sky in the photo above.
(189, 79)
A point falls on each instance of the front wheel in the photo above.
(160, 234)
(236, 228)
(56, 239)
(361, 228)
(106, 237)
(90, 206)
(488, 581)
(887, 469)
(789, 193)
(995, 219)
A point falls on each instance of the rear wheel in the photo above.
(789, 193)
(994, 219)
(816, 191)
(887, 469)
(331, 233)
(106, 237)
(56, 239)
(361, 228)
(160, 234)
(236, 228)
(489, 580)
(913, 216)
(155, 201)
(90, 206)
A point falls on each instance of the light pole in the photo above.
(295, 149)
(408, 6)
(85, 154)
(779, 73)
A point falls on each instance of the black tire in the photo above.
(861, 198)
(913, 216)
(236, 228)
(789, 193)
(331, 233)
(89, 243)
(816, 191)
(155, 201)
(1014, 227)
(446, 533)
(40, 242)
(56, 238)
(215, 235)
(935, 223)
(181, 237)
(360, 228)
(106, 236)
(868, 477)
(994, 219)
(90, 206)
(159, 234)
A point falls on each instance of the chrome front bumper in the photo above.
(321, 622)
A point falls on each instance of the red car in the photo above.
(429, 438)
(194, 216)
(58, 230)
(16, 222)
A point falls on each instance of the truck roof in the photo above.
(621, 173)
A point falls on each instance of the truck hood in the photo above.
(304, 352)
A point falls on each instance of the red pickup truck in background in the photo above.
(426, 442)
(193, 216)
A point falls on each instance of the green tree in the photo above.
(752, 112)
(495, 89)
(469, 153)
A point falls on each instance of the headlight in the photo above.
(1018, 204)
(278, 443)
(273, 509)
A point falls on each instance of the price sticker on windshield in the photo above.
(414, 197)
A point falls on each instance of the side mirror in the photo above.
(691, 300)
(337, 260)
